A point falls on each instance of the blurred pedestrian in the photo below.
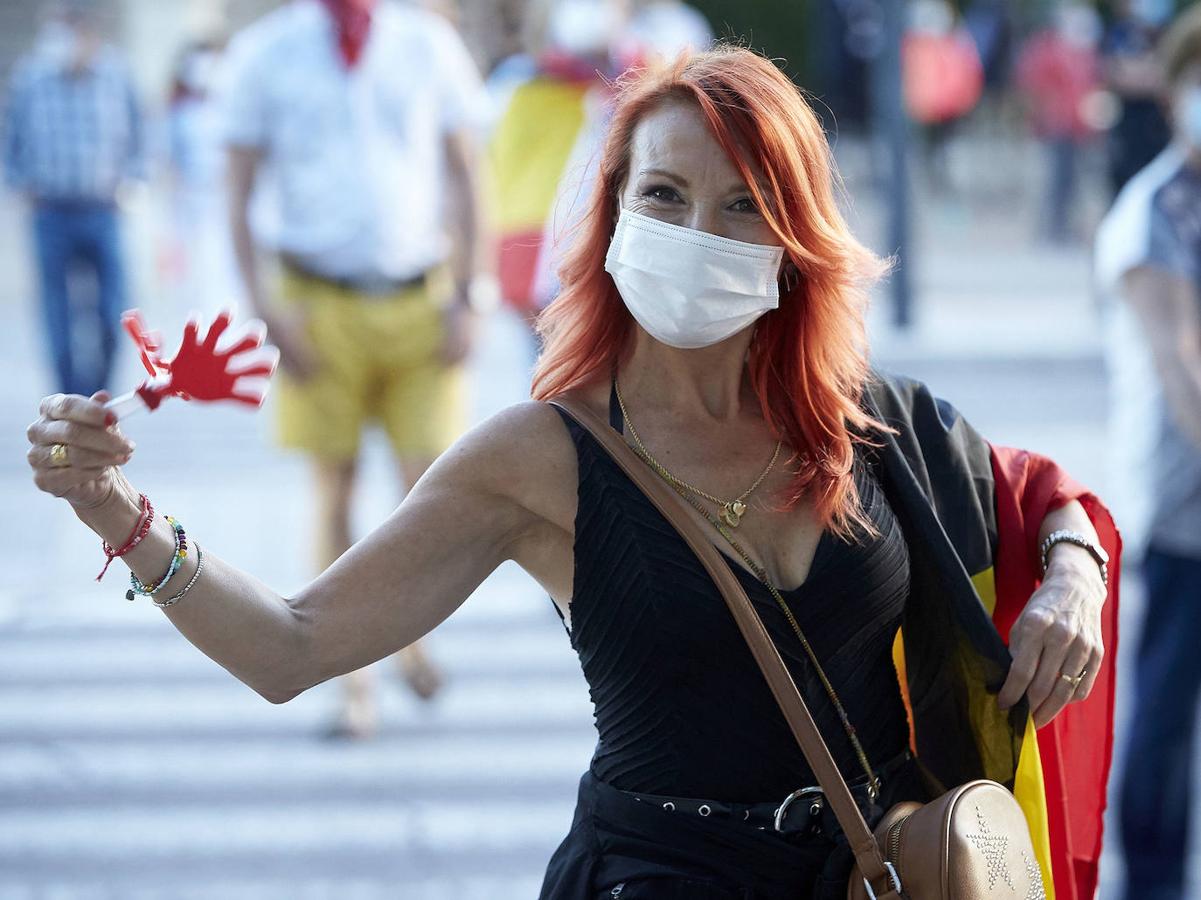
(73, 138)
(1149, 261)
(546, 136)
(196, 259)
(943, 80)
(1133, 76)
(659, 31)
(360, 114)
(990, 24)
(1058, 71)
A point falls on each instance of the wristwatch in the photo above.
(1063, 536)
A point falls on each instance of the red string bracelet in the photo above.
(145, 520)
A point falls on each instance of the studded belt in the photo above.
(800, 813)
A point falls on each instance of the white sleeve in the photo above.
(1140, 230)
(243, 102)
(456, 80)
(1122, 238)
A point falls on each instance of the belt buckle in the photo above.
(800, 793)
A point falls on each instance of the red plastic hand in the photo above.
(149, 343)
(199, 371)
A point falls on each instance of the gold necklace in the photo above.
(761, 574)
(731, 511)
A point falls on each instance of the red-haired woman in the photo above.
(712, 313)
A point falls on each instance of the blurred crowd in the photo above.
(1081, 77)
(353, 174)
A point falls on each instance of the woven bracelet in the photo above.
(181, 551)
(140, 530)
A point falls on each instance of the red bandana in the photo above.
(352, 21)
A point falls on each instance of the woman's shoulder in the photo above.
(521, 437)
(522, 455)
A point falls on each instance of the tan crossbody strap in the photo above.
(792, 704)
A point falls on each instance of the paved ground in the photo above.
(131, 766)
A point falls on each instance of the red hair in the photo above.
(808, 359)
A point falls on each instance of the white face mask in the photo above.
(688, 288)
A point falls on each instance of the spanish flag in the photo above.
(972, 512)
(546, 123)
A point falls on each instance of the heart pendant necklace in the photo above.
(730, 511)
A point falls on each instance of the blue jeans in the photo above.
(73, 239)
(1156, 787)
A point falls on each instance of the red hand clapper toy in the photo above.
(199, 370)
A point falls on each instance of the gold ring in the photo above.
(58, 456)
(1074, 681)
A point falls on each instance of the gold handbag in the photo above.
(972, 843)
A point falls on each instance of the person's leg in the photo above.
(52, 245)
(1156, 782)
(413, 663)
(1061, 187)
(111, 296)
(938, 177)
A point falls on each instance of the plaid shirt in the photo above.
(70, 136)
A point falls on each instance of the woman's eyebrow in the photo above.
(663, 173)
(738, 187)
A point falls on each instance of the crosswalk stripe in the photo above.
(498, 699)
(52, 658)
(123, 831)
(201, 767)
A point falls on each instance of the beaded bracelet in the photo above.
(181, 551)
(171, 601)
(145, 520)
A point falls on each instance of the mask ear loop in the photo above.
(790, 278)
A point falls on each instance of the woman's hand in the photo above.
(1058, 634)
(87, 475)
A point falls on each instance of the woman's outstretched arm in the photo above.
(460, 521)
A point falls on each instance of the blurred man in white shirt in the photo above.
(358, 115)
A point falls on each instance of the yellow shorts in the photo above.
(378, 361)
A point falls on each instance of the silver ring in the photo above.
(669, 806)
(704, 809)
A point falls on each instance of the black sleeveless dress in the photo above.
(681, 708)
